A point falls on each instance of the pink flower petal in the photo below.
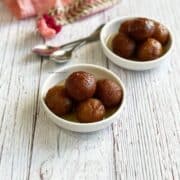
(44, 30)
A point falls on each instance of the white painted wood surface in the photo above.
(143, 144)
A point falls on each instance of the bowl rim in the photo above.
(131, 61)
(78, 123)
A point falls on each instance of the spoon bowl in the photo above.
(44, 50)
(62, 56)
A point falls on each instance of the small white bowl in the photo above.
(111, 28)
(59, 76)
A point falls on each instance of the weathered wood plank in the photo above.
(19, 81)
(63, 155)
(147, 135)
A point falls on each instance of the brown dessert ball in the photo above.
(90, 110)
(161, 33)
(141, 29)
(149, 50)
(125, 27)
(123, 46)
(58, 101)
(109, 92)
(80, 85)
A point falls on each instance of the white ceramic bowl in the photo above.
(100, 73)
(111, 28)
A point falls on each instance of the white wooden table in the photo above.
(144, 144)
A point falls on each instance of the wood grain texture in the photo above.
(84, 156)
(151, 150)
(19, 81)
(144, 142)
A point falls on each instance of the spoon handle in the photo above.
(67, 54)
(74, 42)
(78, 45)
(90, 38)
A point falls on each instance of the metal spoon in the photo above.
(62, 56)
(46, 50)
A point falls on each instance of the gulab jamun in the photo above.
(109, 92)
(125, 27)
(90, 110)
(161, 33)
(80, 85)
(57, 100)
(141, 29)
(149, 50)
(123, 46)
